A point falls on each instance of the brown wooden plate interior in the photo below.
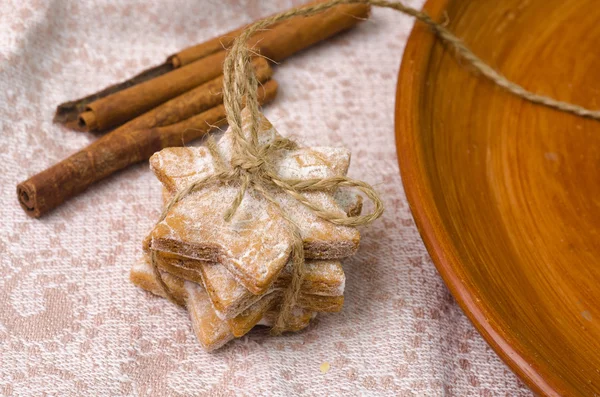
(506, 194)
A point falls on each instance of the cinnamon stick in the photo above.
(113, 152)
(277, 43)
(124, 105)
(285, 38)
(192, 102)
(198, 51)
(67, 113)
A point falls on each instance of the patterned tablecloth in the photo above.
(72, 324)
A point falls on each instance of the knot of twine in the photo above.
(251, 166)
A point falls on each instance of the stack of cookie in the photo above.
(231, 275)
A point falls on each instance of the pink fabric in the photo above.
(71, 323)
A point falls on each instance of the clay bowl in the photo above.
(506, 194)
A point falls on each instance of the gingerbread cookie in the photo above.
(234, 275)
(256, 243)
(229, 298)
(211, 331)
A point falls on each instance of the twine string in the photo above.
(250, 165)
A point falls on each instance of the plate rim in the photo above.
(428, 221)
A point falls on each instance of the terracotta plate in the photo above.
(506, 194)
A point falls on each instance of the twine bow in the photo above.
(251, 166)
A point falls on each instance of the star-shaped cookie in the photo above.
(230, 298)
(212, 331)
(256, 244)
(323, 284)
